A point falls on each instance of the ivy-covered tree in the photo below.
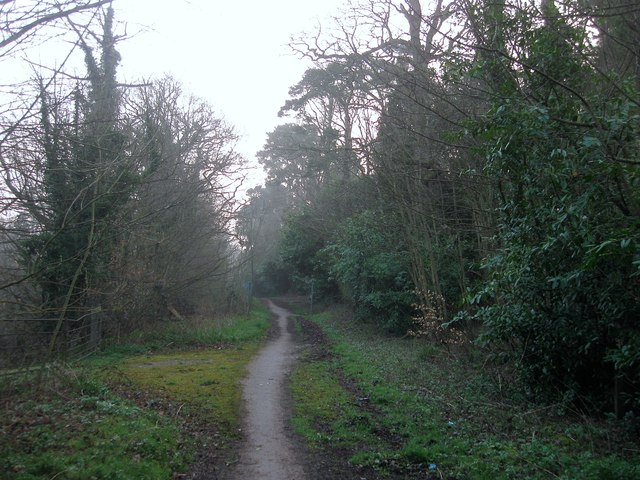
(86, 177)
(126, 201)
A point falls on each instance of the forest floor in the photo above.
(375, 406)
(275, 394)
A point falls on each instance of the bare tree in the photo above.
(176, 240)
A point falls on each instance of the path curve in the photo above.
(268, 452)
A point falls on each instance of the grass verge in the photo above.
(136, 410)
(69, 425)
(405, 408)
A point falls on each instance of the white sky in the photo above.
(232, 53)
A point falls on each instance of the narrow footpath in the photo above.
(268, 452)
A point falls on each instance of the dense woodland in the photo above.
(468, 170)
(464, 171)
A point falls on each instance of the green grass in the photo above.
(317, 395)
(67, 422)
(429, 405)
(76, 429)
(188, 334)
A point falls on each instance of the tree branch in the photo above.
(49, 18)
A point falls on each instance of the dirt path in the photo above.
(269, 452)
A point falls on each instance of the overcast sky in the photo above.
(232, 53)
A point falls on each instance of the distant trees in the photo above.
(496, 143)
(259, 231)
(300, 159)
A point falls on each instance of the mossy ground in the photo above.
(206, 381)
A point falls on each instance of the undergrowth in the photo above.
(407, 408)
(69, 425)
(122, 414)
(187, 334)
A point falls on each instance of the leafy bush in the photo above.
(310, 228)
(304, 237)
(565, 280)
(371, 265)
